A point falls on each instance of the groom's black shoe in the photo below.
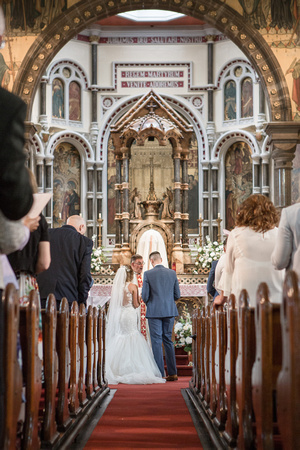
(172, 378)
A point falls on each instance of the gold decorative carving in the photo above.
(243, 36)
(212, 13)
(41, 56)
(66, 28)
(270, 79)
(177, 1)
(26, 91)
(265, 67)
(233, 28)
(224, 20)
(57, 37)
(48, 46)
(94, 38)
(76, 20)
(201, 8)
(87, 14)
(35, 67)
(277, 116)
(276, 104)
(251, 46)
(273, 92)
(111, 4)
(30, 79)
(189, 4)
(99, 8)
(258, 56)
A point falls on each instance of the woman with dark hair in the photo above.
(249, 248)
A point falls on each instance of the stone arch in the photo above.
(83, 146)
(213, 12)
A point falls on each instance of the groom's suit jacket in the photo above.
(160, 290)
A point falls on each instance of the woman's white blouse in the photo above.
(248, 263)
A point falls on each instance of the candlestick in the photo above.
(200, 221)
(59, 215)
(219, 220)
(100, 231)
(99, 215)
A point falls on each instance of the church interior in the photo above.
(154, 120)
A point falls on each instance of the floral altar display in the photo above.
(183, 332)
(97, 259)
(207, 254)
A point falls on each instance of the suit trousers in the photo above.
(161, 333)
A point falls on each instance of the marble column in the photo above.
(177, 198)
(125, 192)
(284, 137)
(116, 256)
(210, 128)
(185, 201)
(94, 57)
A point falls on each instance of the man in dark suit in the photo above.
(160, 290)
(69, 274)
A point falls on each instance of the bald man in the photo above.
(69, 274)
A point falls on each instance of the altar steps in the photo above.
(182, 363)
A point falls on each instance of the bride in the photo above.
(129, 358)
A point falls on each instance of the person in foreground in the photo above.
(160, 290)
(69, 274)
(286, 254)
(249, 249)
(129, 359)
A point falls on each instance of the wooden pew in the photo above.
(75, 361)
(49, 426)
(62, 344)
(245, 360)
(206, 401)
(105, 382)
(288, 382)
(231, 426)
(96, 386)
(83, 356)
(202, 353)
(12, 371)
(100, 377)
(194, 380)
(32, 369)
(266, 366)
(212, 408)
(221, 408)
(90, 353)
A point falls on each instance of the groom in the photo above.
(160, 290)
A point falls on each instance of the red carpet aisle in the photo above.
(150, 416)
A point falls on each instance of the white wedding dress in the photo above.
(129, 358)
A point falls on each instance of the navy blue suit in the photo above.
(69, 274)
(211, 279)
(160, 290)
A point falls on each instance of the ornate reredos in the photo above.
(151, 116)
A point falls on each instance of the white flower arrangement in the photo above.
(207, 254)
(183, 333)
(97, 258)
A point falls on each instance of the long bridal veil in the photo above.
(115, 304)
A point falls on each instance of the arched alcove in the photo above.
(213, 12)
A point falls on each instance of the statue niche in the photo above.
(151, 145)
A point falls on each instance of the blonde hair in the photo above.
(257, 212)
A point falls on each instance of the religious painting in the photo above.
(230, 100)
(111, 193)
(66, 183)
(296, 176)
(58, 99)
(193, 193)
(74, 101)
(238, 179)
(247, 98)
(294, 70)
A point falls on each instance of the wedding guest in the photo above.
(129, 358)
(159, 292)
(286, 254)
(34, 257)
(69, 274)
(249, 249)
